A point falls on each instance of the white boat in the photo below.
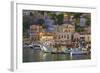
(76, 51)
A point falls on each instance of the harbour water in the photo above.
(31, 55)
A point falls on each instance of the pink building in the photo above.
(34, 32)
(76, 36)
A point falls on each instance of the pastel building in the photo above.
(47, 38)
(58, 28)
(87, 29)
(34, 32)
(86, 37)
(76, 36)
(68, 28)
(63, 38)
(66, 18)
(65, 28)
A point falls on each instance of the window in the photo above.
(67, 36)
(64, 36)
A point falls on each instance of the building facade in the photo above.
(68, 28)
(47, 38)
(34, 32)
(63, 38)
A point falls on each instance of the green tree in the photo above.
(78, 29)
(60, 18)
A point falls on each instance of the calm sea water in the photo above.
(30, 55)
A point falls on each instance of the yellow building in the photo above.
(47, 38)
